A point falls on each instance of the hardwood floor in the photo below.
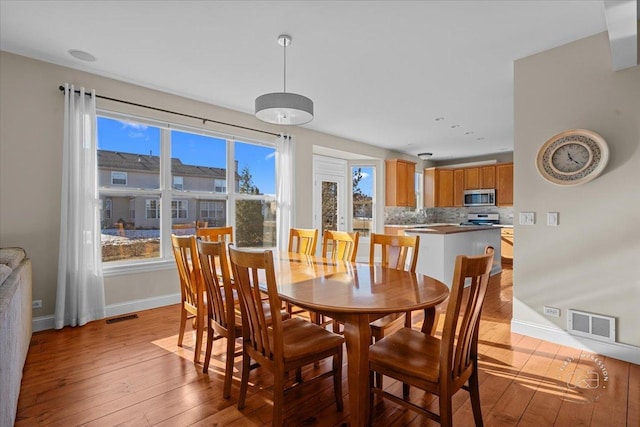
(132, 373)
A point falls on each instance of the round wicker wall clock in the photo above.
(572, 157)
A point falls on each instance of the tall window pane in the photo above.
(255, 205)
(362, 177)
(199, 167)
(129, 163)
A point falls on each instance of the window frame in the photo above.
(166, 191)
(126, 178)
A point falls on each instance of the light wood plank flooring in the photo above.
(132, 373)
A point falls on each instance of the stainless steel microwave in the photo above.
(482, 197)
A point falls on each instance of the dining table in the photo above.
(356, 294)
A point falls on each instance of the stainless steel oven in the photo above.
(482, 197)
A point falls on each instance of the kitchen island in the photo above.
(441, 244)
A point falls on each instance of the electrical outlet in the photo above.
(552, 218)
(551, 311)
(527, 218)
(36, 303)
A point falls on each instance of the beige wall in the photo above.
(31, 162)
(591, 261)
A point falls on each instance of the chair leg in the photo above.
(278, 398)
(446, 412)
(337, 379)
(228, 369)
(474, 391)
(199, 335)
(183, 324)
(244, 382)
(207, 356)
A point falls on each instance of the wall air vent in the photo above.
(594, 326)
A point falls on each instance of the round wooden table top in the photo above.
(326, 285)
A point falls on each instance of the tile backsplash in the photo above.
(398, 216)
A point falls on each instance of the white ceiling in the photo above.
(378, 72)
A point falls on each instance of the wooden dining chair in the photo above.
(340, 245)
(440, 366)
(191, 288)
(282, 345)
(223, 320)
(400, 253)
(303, 240)
(215, 234)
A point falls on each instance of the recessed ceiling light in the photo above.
(439, 119)
(469, 132)
(82, 55)
(455, 126)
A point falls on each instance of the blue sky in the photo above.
(191, 149)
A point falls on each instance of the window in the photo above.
(419, 193)
(178, 183)
(255, 204)
(220, 186)
(107, 208)
(362, 199)
(118, 178)
(152, 209)
(201, 171)
(179, 209)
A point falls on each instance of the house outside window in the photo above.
(220, 186)
(107, 208)
(179, 209)
(118, 178)
(152, 209)
(178, 183)
(132, 209)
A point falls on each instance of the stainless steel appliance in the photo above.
(482, 219)
(482, 197)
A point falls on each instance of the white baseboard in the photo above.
(43, 323)
(620, 351)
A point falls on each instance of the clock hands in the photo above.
(573, 160)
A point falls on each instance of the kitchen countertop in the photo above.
(448, 228)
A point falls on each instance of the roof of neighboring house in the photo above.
(148, 163)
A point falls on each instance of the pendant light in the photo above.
(284, 108)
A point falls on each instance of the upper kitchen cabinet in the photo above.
(480, 177)
(400, 183)
(504, 184)
(439, 188)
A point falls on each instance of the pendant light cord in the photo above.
(285, 66)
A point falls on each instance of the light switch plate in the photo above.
(552, 218)
(527, 218)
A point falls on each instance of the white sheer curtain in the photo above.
(285, 160)
(80, 294)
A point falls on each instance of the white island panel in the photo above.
(438, 251)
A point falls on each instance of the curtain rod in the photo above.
(204, 119)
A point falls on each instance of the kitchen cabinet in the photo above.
(480, 177)
(504, 184)
(445, 188)
(458, 187)
(400, 183)
(506, 245)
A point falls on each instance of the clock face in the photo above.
(572, 157)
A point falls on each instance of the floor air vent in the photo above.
(122, 318)
(590, 325)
